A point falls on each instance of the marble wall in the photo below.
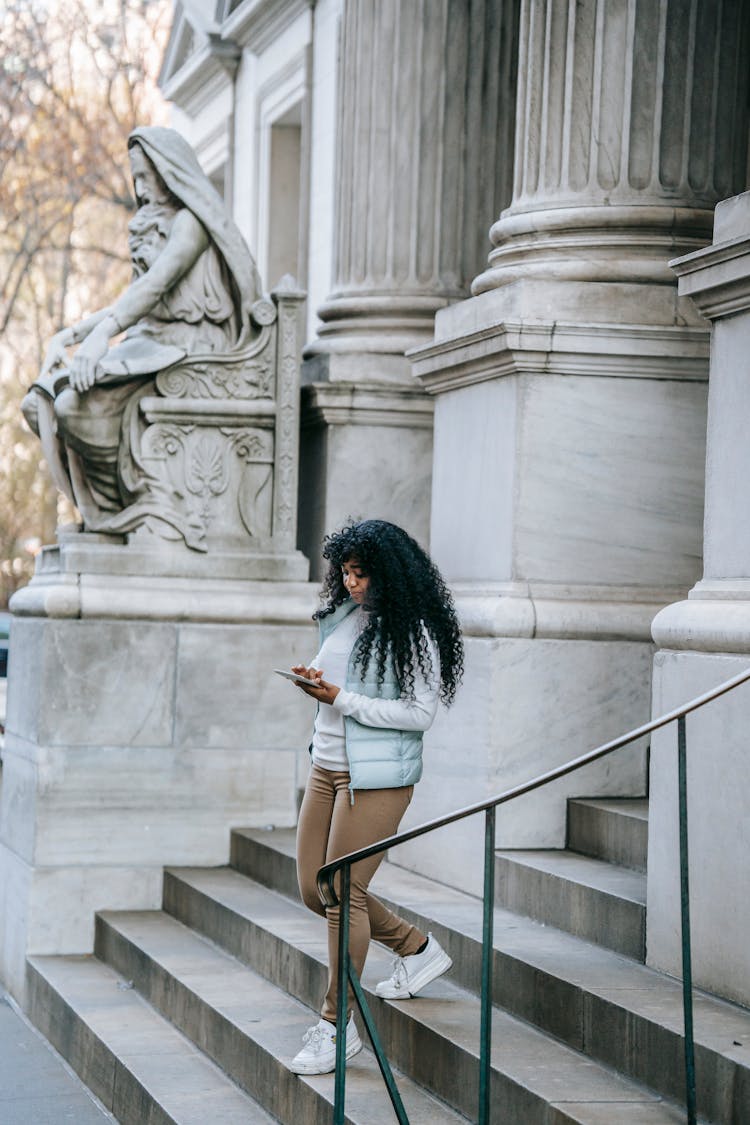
(718, 775)
(131, 745)
(570, 477)
(526, 705)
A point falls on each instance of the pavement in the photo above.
(36, 1086)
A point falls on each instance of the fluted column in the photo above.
(570, 393)
(630, 125)
(424, 134)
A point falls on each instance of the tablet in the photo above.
(295, 678)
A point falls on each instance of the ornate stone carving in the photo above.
(210, 379)
(186, 427)
(219, 475)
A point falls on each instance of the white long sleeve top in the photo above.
(328, 744)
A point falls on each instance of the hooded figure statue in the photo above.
(194, 284)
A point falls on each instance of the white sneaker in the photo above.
(411, 974)
(318, 1056)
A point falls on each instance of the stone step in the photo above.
(612, 829)
(268, 856)
(437, 1037)
(618, 1011)
(434, 1037)
(245, 1024)
(134, 1060)
(587, 897)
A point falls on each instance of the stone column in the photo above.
(705, 640)
(424, 126)
(576, 376)
(628, 131)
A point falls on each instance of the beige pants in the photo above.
(329, 827)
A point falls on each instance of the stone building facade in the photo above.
(531, 406)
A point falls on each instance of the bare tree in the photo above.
(75, 78)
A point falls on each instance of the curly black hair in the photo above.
(406, 597)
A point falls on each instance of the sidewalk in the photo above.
(36, 1086)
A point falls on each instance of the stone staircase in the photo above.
(190, 1014)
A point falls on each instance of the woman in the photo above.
(390, 649)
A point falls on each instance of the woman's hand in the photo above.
(324, 692)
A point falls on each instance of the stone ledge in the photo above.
(562, 613)
(704, 625)
(167, 599)
(508, 610)
(516, 347)
(349, 404)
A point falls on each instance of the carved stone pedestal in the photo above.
(144, 720)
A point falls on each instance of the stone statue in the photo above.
(192, 317)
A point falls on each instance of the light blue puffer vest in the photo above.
(379, 758)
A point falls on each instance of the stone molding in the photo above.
(604, 243)
(717, 279)
(203, 74)
(520, 609)
(374, 323)
(550, 612)
(201, 53)
(102, 596)
(716, 623)
(621, 351)
(258, 23)
(338, 404)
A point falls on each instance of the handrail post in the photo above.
(342, 997)
(380, 1055)
(344, 975)
(687, 968)
(485, 1032)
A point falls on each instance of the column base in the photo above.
(363, 338)
(616, 242)
(367, 440)
(557, 611)
(715, 618)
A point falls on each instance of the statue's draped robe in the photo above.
(96, 433)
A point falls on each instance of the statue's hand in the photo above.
(56, 350)
(84, 367)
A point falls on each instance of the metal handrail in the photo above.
(347, 974)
